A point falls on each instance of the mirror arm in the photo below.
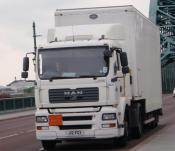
(114, 79)
(118, 50)
(30, 53)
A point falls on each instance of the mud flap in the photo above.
(134, 112)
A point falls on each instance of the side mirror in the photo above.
(125, 70)
(24, 75)
(25, 64)
(124, 59)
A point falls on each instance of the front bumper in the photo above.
(95, 131)
(89, 134)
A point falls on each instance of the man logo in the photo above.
(72, 94)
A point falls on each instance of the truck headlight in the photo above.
(41, 119)
(108, 116)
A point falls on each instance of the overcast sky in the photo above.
(16, 17)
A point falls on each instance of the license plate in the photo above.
(75, 133)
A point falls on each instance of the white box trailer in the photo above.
(97, 92)
(137, 35)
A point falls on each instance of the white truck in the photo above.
(98, 77)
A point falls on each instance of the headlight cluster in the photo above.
(108, 116)
(41, 119)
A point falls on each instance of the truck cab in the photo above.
(78, 84)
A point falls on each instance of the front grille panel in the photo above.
(74, 127)
(74, 95)
(77, 118)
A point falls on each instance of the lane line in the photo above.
(16, 134)
(8, 136)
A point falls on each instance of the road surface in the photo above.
(18, 134)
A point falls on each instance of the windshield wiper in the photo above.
(88, 76)
(54, 78)
(82, 76)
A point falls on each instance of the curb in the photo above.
(15, 115)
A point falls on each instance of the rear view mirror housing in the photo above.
(125, 70)
(26, 64)
(124, 59)
(24, 75)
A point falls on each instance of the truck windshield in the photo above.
(82, 62)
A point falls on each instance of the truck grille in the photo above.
(77, 118)
(82, 118)
(74, 95)
(69, 127)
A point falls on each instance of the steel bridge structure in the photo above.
(162, 13)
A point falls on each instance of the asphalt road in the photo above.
(19, 134)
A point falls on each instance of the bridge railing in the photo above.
(16, 104)
(168, 78)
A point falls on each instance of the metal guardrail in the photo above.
(16, 104)
(168, 78)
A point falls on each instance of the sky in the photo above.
(16, 17)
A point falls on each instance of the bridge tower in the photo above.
(162, 13)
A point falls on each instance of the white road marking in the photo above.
(8, 136)
(16, 134)
(41, 149)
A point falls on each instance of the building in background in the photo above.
(22, 87)
(17, 88)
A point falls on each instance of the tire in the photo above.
(48, 145)
(154, 124)
(138, 131)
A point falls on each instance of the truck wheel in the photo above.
(154, 124)
(138, 131)
(48, 145)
